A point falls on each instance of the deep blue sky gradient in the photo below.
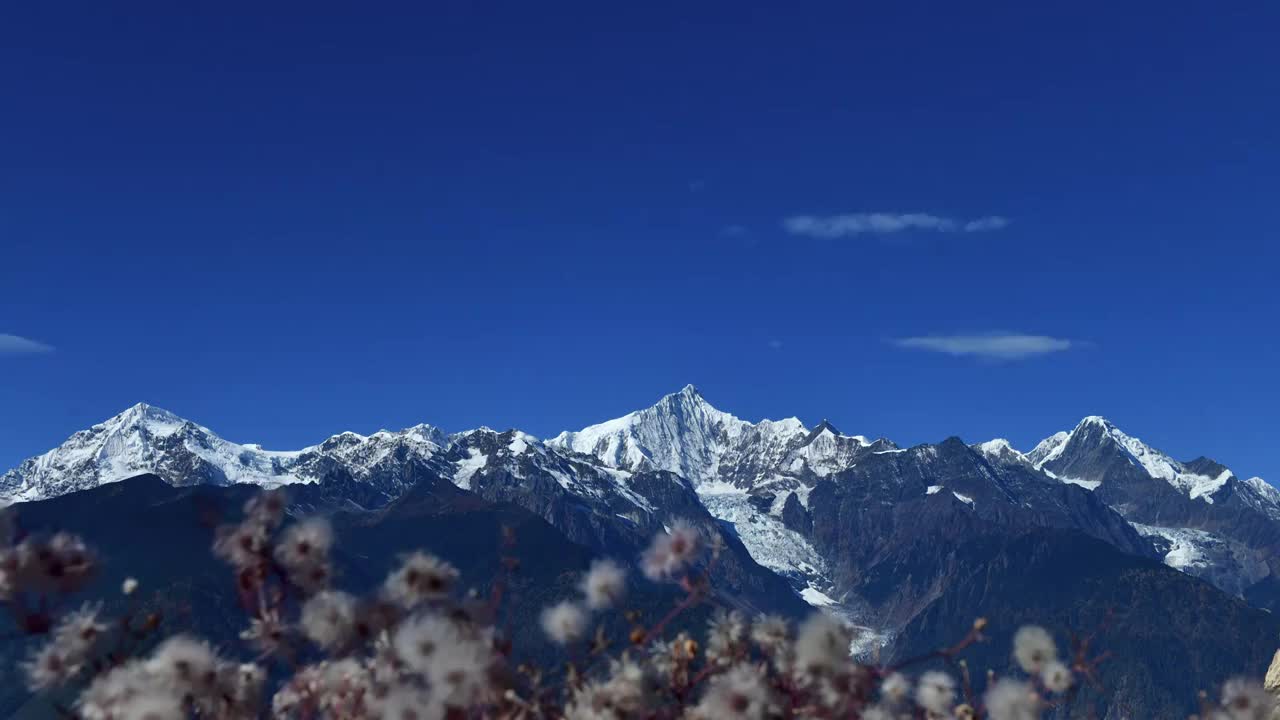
(283, 221)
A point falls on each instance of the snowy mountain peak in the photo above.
(1090, 454)
(716, 451)
(826, 433)
(1000, 450)
(140, 409)
(420, 433)
(1048, 448)
(825, 426)
(1265, 489)
(143, 414)
(688, 402)
(142, 439)
(685, 434)
(996, 445)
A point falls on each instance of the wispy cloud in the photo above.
(838, 226)
(986, 224)
(992, 346)
(15, 345)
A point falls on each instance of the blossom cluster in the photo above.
(58, 564)
(415, 648)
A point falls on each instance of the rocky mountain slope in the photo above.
(191, 590)
(1175, 633)
(1199, 515)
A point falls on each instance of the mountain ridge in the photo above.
(755, 476)
(259, 465)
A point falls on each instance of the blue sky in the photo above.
(916, 219)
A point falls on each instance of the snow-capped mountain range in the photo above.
(1200, 517)
(1053, 452)
(716, 451)
(147, 439)
(905, 542)
(756, 476)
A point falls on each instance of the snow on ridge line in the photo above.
(1264, 488)
(684, 434)
(254, 464)
(1155, 463)
(1050, 448)
(147, 439)
(996, 446)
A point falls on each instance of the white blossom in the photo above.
(79, 631)
(1056, 676)
(421, 577)
(770, 633)
(1246, 700)
(1011, 699)
(68, 650)
(305, 544)
(822, 644)
(626, 693)
(726, 633)
(936, 692)
(150, 705)
(329, 618)
(419, 640)
(591, 701)
(410, 703)
(342, 687)
(104, 695)
(241, 546)
(245, 683)
(462, 673)
(895, 688)
(266, 632)
(63, 563)
(671, 552)
(1033, 646)
(604, 584)
(630, 685)
(564, 623)
(666, 656)
(740, 693)
(184, 664)
(266, 509)
(50, 667)
(877, 712)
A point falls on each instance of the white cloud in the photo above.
(984, 224)
(838, 226)
(15, 345)
(993, 346)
